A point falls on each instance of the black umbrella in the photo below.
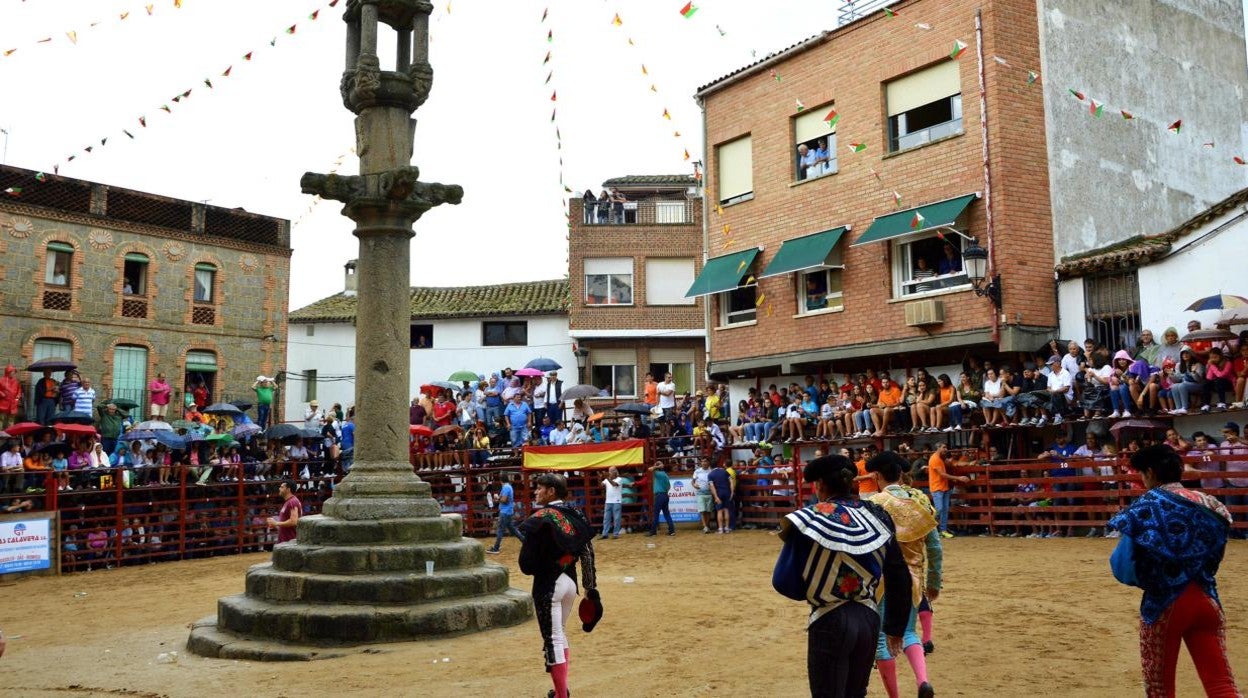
(282, 431)
(222, 408)
(310, 433)
(634, 408)
(72, 418)
(242, 405)
(52, 365)
(59, 446)
(544, 364)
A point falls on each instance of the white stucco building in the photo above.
(482, 329)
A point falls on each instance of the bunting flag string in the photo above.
(665, 114)
(554, 111)
(182, 96)
(316, 200)
(72, 35)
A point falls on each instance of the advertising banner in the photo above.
(25, 545)
(683, 501)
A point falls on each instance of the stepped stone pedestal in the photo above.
(357, 573)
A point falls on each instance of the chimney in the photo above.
(351, 279)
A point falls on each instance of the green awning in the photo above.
(204, 266)
(901, 223)
(723, 273)
(136, 257)
(202, 368)
(806, 252)
(61, 247)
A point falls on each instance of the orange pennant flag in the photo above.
(73, 37)
(9, 52)
(149, 9)
(643, 69)
(124, 15)
(616, 20)
(686, 154)
(667, 115)
(177, 4)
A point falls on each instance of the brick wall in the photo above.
(849, 72)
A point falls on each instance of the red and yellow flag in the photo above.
(585, 456)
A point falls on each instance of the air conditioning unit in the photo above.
(922, 313)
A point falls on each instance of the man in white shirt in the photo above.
(84, 397)
(702, 486)
(560, 435)
(11, 468)
(667, 402)
(613, 503)
(1060, 390)
(539, 402)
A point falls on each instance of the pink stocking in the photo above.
(925, 620)
(917, 662)
(888, 674)
(559, 674)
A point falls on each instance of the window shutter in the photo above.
(924, 87)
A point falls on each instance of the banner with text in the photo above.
(25, 545)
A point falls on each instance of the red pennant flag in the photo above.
(314, 15)
(290, 29)
(1126, 114)
(1239, 161)
(186, 94)
(13, 191)
(177, 98)
(89, 148)
(918, 221)
(1176, 126)
(41, 177)
(552, 96)
(332, 3)
(226, 73)
(247, 56)
(143, 121)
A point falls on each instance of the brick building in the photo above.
(129, 284)
(630, 264)
(815, 265)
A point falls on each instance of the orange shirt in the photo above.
(652, 393)
(946, 395)
(890, 397)
(936, 480)
(865, 486)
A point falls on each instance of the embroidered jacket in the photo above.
(556, 538)
(915, 520)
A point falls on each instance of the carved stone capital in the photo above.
(421, 75)
(399, 185)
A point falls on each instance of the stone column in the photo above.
(404, 50)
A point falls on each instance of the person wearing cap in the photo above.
(312, 416)
(1060, 390)
(263, 388)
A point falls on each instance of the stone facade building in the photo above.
(129, 284)
(630, 264)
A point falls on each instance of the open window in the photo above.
(614, 370)
(924, 106)
(57, 270)
(421, 336)
(134, 275)
(814, 133)
(926, 263)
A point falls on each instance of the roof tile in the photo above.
(524, 298)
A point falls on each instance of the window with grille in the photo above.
(1112, 305)
(56, 271)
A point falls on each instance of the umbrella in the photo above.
(463, 376)
(281, 431)
(310, 433)
(1136, 424)
(431, 389)
(242, 431)
(577, 392)
(529, 373)
(194, 437)
(122, 403)
(171, 440)
(419, 430)
(22, 428)
(53, 446)
(153, 425)
(1212, 334)
(183, 424)
(222, 408)
(447, 384)
(75, 428)
(634, 408)
(595, 416)
(137, 435)
(242, 405)
(1218, 302)
(219, 438)
(542, 363)
(52, 365)
(72, 418)
(449, 428)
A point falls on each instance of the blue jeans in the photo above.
(660, 507)
(908, 638)
(941, 501)
(1181, 393)
(44, 411)
(517, 436)
(955, 414)
(1120, 399)
(262, 415)
(863, 421)
(611, 519)
(505, 524)
(491, 415)
(348, 459)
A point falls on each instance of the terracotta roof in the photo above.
(679, 180)
(524, 298)
(758, 64)
(1142, 249)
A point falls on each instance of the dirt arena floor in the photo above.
(696, 617)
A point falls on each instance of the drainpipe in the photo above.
(983, 129)
(706, 245)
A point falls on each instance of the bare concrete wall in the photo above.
(1162, 60)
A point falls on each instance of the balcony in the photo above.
(651, 212)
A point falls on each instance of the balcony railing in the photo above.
(654, 212)
(854, 10)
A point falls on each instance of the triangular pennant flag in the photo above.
(70, 158)
(549, 75)
(1077, 94)
(630, 41)
(721, 31)
(131, 135)
(1239, 161)
(149, 9)
(653, 88)
(686, 154)
(923, 25)
(798, 104)
(544, 13)
(769, 310)
(13, 191)
(44, 40)
(317, 13)
(666, 114)
(688, 10)
(291, 29)
(918, 221)
(550, 36)
(226, 73)
(41, 177)
(546, 59)
(143, 121)
(247, 56)
(727, 227)
(552, 115)
(103, 141)
(208, 83)
(775, 76)
(758, 302)
(186, 94)
(1126, 114)
(897, 199)
(177, 4)
(1176, 126)
(124, 15)
(750, 280)
(1096, 108)
(177, 98)
(552, 96)
(857, 147)
(741, 266)
(875, 174)
(332, 3)
(273, 41)
(616, 20)
(89, 148)
(1001, 61)
(165, 108)
(889, 13)
(959, 47)
(567, 189)
(73, 37)
(832, 117)
(1032, 77)
(9, 52)
(643, 69)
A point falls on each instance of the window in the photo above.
(609, 281)
(924, 106)
(52, 349)
(130, 373)
(309, 385)
(422, 336)
(504, 334)
(678, 362)
(309, 330)
(1112, 304)
(818, 290)
(205, 276)
(201, 369)
(667, 280)
(60, 255)
(928, 263)
(614, 370)
(736, 171)
(134, 275)
(738, 305)
(815, 144)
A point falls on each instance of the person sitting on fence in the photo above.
(1172, 541)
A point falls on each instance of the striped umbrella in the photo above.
(1221, 301)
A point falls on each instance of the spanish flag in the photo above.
(585, 456)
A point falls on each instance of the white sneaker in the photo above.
(1057, 419)
(1041, 422)
(957, 427)
(1116, 414)
(947, 429)
(1205, 408)
(1181, 410)
(1126, 414)
(1221, 405)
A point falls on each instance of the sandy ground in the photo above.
(699, 618)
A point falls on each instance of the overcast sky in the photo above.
(486, 125)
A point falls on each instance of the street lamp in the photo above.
(975, 264)
(582, 355)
